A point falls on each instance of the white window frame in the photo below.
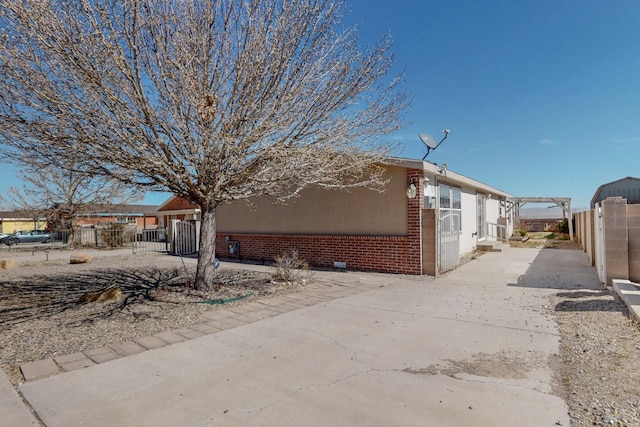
(453, 198)
(481, 216)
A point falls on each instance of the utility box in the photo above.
(234, 247)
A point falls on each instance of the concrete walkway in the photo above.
(471, 348)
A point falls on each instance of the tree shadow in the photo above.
(45, 296)
(577, 282)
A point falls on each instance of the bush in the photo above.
(115, 235)
(563, 226)
(289, 267)
(522, 232)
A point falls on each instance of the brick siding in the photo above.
(390, 254)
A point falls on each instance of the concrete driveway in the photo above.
(472, 348)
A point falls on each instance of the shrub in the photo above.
(115, 235)
(522, 232)
(289, 267)
(563, 226)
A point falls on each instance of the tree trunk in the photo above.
(206, 270)
(71, 238)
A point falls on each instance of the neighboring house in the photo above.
(142, 216)
(540, 219)
(424, 221)
(628, 188)
(21, 220)
(176, 208)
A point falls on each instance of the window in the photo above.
(445, 197)
(456, 196)
(451, 202)
(126, 220)
(480, 215)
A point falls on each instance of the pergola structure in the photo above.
(563, 202)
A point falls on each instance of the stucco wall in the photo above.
(468, 240)
(9, 226)
(492, 210)
(317, 211)
(393, 253)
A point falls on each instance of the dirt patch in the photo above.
(500, 365)
(545, 243)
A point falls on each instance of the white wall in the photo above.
(468, 238)
(492, 208)
(469, 222)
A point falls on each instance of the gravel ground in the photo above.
(597, 371)
(600, 358)
(41, 317)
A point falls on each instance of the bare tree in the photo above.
(66, 193)
(212, 100)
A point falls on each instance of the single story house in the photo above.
(424, 221)
(141, 216)
(21, 220)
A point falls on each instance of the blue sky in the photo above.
(542, 97)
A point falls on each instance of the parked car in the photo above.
(33, 236)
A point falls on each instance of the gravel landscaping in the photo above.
(41, 316)
(599, 365)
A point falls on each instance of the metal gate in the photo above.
(449, 253)
(151, 240)
(184, 238)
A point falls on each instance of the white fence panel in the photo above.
(184, 238)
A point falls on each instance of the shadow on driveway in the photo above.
(562, 269)
(570, 272)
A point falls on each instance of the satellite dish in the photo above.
(430, 142)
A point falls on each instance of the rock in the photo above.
(8, 264)
(110, 293)
(81, 259)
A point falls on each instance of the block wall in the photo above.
(633, 225)
(616, 243)
(429, 256)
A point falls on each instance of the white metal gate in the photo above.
(449, 253)
(184, 238)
